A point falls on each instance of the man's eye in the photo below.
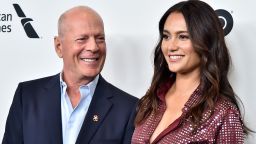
(100, 39)
(80, 39)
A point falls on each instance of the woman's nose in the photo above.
(172, 45)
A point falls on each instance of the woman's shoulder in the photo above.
(225, 107)
(224, 115)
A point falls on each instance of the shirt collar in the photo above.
(91, 85)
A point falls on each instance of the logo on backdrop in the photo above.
(5, 25)
(226, 20)
(30, 31)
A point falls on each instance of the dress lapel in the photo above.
(98, 109)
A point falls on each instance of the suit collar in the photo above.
(98, 109)
(53, 107)
(53, 82)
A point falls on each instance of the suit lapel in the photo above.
(98, 109)
(52, 96)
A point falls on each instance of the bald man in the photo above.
(76, 106)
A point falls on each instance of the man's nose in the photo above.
(92, 45)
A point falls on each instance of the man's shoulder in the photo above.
(122, 93)
(119, 93)
(40, 81)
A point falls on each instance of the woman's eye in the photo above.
(183, 37)
(165, 36)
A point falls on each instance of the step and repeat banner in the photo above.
(27, 29)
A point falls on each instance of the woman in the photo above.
(190, 99)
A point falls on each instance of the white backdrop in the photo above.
(131, 33)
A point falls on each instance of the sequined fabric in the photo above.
(223, 127)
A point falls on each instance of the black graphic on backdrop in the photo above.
(30, 31)
(226, 20)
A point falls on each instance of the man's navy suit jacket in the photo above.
(35, 115)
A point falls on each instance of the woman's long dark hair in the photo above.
(207, 37)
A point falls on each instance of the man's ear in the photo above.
(58, 46)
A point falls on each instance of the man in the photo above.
(77, 105)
